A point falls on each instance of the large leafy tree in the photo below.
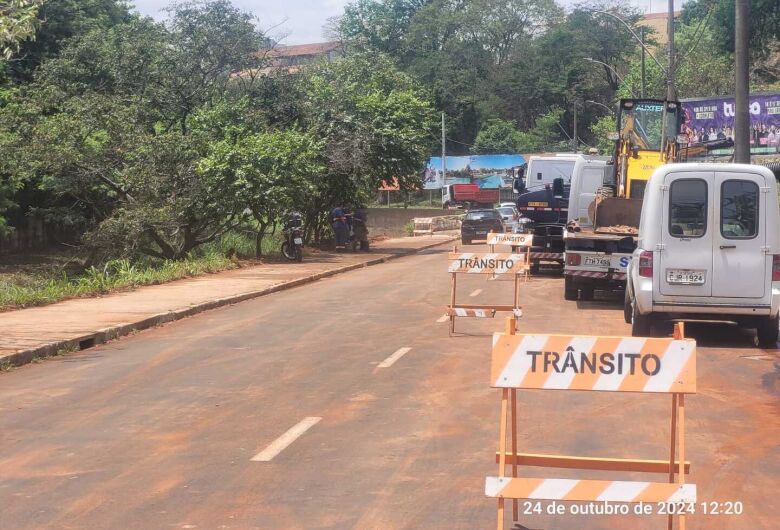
(18, 22)
(764, 22)
(268, 172)
(116, 134)
(375, 124)
(57, 22)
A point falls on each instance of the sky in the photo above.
(301, 21)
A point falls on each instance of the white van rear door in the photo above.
(685, 264)
(739, 241)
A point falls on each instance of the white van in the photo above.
(708, 249)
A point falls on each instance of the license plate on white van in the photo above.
(684, 277)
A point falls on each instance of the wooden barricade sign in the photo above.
(487, 263)
(484, 263)
(586, 363)
(512, 240)
(518, 242)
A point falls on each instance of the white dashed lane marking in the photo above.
(387, 363)
(284, 441)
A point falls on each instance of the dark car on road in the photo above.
(478, 223)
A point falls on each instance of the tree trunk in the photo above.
(259, 235)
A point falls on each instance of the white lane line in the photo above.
(387, 363)
(476, 293)
(443, 318)
(281, 443)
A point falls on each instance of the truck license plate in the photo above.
(597, 261)
(684, 277)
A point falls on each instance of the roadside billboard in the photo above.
(709, 119)
(489, 171)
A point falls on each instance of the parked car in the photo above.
(708, 249)
(477, 223)
(510, 216)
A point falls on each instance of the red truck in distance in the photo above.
(468, 196)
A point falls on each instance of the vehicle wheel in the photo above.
(641, 325)
(534, 267)
(569, 289)
(364, 246)
(766, 332)
(298, 254)
(627, 307)
(587, 294)
(287, 252)
(465, 241)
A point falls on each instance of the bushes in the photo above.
(25, 290)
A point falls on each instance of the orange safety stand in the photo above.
(475, 263)
(676, 375)
(516, 241)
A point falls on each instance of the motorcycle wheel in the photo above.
(287, 252)
(298, 253)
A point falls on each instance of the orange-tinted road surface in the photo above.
(360, 413)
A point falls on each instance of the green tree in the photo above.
(497, 136)
(764, 22)
(702, 70)
(57, 22)
(18, 22)
(600, 129)
(375, 124)
(545, 135)
(118, 130)
(269, 172)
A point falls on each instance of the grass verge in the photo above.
(26, 289)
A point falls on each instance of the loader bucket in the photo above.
(614, 211)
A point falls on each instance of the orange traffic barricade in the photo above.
(518, 243)
(484, 263)
(606, 364)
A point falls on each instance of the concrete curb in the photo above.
(104, 335)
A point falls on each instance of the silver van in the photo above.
(708, 249)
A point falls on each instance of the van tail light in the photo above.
(776, 268)
(573, 259)
(646, 264)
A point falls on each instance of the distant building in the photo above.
(294, 58)
(658, 23)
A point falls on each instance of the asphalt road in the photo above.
(159, 430)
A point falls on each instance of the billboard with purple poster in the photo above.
(710, 119)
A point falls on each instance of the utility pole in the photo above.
(575, 139)
(671, 93)
(642, 89)
(742, 91)
(443, 153)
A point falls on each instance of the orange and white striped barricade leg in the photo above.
(605, 364)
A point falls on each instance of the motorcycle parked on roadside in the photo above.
(359, 232)
(292, 229)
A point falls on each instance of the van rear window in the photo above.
(688, 208)
(739, 209)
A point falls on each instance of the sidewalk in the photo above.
(84, 322)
